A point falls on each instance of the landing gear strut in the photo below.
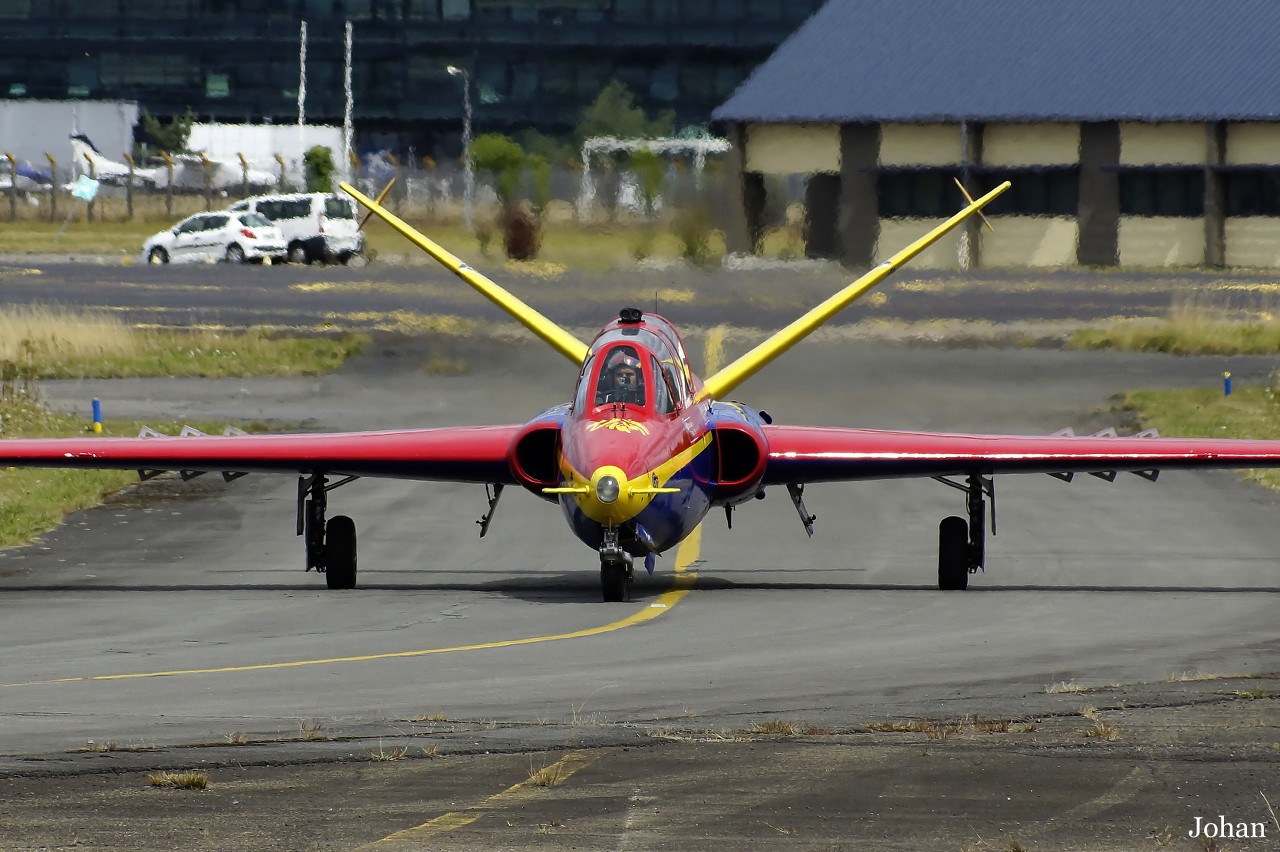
(615, 568)
(330, 546)
(962, 545)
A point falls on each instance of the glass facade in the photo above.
(534, 63)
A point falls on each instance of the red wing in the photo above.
(802, 454)
(455, 454)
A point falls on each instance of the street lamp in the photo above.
(468, 175)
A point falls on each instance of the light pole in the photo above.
(468, 174)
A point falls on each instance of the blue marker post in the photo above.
(1226, 384)
(97, 417)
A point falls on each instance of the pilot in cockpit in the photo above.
(621, 379)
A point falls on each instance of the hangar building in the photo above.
(1136, 133)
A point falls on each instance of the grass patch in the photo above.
(48, 343)
(1250, 412)
(179, 780)
(1195, 325)
(35, 500)
(590, 248)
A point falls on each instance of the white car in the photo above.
(209, 237)
(317, 226)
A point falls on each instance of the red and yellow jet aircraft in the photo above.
(645, 448)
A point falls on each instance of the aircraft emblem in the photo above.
(619, 425)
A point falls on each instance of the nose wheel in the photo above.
(615, 569)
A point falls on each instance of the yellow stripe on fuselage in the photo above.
(562, 341)
(634, 495)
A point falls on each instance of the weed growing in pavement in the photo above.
(383, 755)
(312, 730)
(179, 780)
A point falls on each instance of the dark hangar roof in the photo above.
(1021, 60)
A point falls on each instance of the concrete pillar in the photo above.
(821, 213)
(858, 227)
(1215, 195)
(1099, 211)
(745, 228)
(971, 148)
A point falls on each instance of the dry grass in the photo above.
(1196, 324)
(51, 343)
(312, 730)
(237, 738)
(1103, 731)
(431, 717)
(179, 780)
(1064, 686)
(1258, 692)
(431, 751)
(547, 775)
(940, 729)
(107, 746)
(383, 755)
(1198, 675)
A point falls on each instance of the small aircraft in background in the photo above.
(644, 448)
(188, 171)
(28, 178)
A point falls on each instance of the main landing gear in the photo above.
(330, 546)
(615, 568)
(961, 544)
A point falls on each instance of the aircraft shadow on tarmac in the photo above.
(580, 586)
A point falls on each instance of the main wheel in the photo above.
(340, 553)
(235, 254)
(158, 255)
(615, 582)
(953, 554)
(298, 253)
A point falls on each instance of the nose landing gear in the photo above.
(615, 569)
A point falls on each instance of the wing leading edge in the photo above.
(462, 454)
(803, 454)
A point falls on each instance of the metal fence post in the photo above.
(53, 187)
(13, 186)
(128, 188)
(93, 175)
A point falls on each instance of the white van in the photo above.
(317, 226)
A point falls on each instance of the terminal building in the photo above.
(1141, 133)
(533, 63)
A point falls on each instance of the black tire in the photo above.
(235, 254)
(953, 554)
(298, 254)
(340, 553)
(158, 255)
(615, 582)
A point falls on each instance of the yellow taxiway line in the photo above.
(686, 555)
(555, 775)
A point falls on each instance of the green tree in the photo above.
(502, 157)
(614, 113)
(319, 166)
(171, 136)
(651, 174)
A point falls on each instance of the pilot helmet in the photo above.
(621, 358)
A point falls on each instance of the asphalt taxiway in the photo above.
(783, 691)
